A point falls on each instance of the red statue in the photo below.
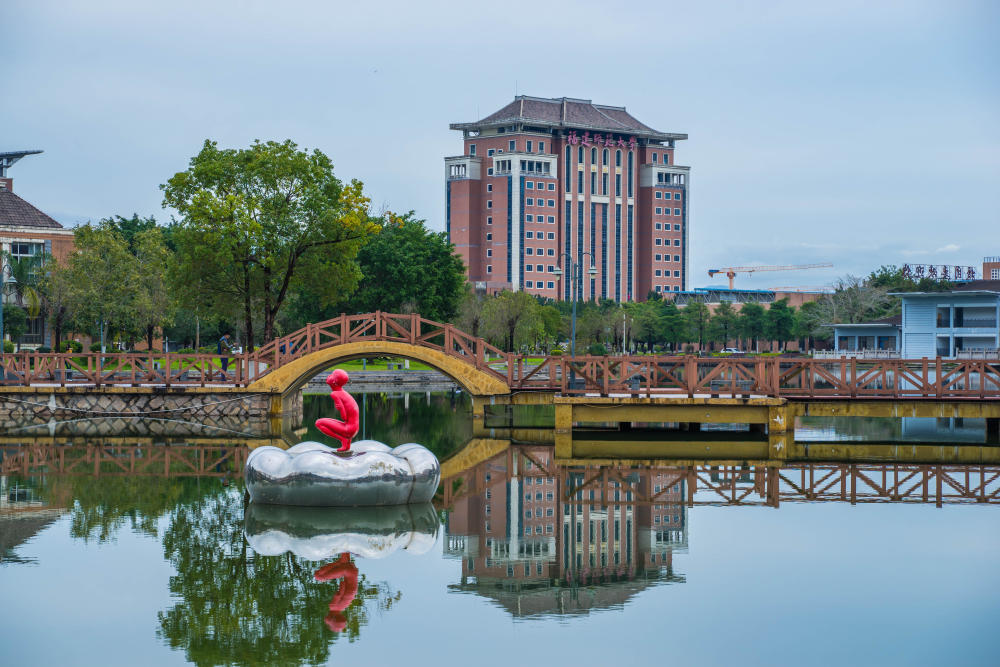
(342, 568)
(346, 406)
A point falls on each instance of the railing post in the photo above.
(379, 325)
(414, 326)
(690, 375)
(344, 328)
(937, 377)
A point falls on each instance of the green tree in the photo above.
(406, 263)
(259, 223)
(102, 276)
(56, 288)
(809, 324)
(780, 322)
(15, 322)
(25, 274)
(470, 312)
(697, 316)
(511, 318)
(675, 326)
(154, 306)
(131, 228)
(723, 326)
(752, 323)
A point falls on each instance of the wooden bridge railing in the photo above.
(632, 375)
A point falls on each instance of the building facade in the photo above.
(545, 189)
(26, 231)
(946, 324)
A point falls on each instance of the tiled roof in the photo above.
(979, 286)
(566, 112)
(15, 212)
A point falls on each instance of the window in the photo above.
(677, 258)
(659, 211)
(579, 155)
(604, 183)
(659, 241)
(593, 182)
(654, 158)
(529, 218)
(529, 150)
(618, 184)
(489, 235)
(666, 158)
(541, 251)
(489, 153)
(489, 187)
(541, 186)
(677, 228)
(666, 258)
(994, 274)
(528, 251)
(530, 185)
(659, 226)
(552, 236)
(551, 219)
(659, 195)
(541, 146)
(489, 220)
(530, 202)
(658, 273)
(677, 211)
(659, 258)
(489, 268)
(511, 145)
(550, 284)
(472, 149)
(677, 274)
(527, 283)
(552, 186)
(489, 203)
(552, 252)
(579, 182)
(538, 267)
(529, 234)
(677, 242)
(489, 252)
(677, 196)
(552, 203)
(489, 172)
(657, 288)
(618, 158)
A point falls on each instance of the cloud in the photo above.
(951, 247)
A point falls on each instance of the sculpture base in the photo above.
(370, 474)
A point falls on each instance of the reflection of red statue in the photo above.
(342, 599)
(348, 408)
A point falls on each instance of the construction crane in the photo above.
(731, 271)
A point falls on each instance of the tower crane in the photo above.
(731, 271)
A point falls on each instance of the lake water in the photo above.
(522, 560)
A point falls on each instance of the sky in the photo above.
(855, 133)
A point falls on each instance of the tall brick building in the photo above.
(542, 178)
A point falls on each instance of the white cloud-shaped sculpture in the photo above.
(321, 533)
(371, 473)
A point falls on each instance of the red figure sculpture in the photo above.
(342, 568)
(348, 408)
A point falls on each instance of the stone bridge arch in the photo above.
(293, 374)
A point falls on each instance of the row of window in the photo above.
(540, 235)
(666, 288)
(677, 242)
(666, 274)
(666, 195)
(666, 258)
(551, 253)
(666, 158)
(530, 201)
(538, 512)
(540, 284)
(531, 185)
(538, 496)
(538, 218)
(665, 226)
(539, 268)
(666, 211)
(512, 146)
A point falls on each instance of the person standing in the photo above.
(225, 343)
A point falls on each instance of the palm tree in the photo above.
(24, 275)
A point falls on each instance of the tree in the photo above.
(259, 222)
(15, 322)
(102, 280)
(470, 312)
(406, 263)
(131, 228)
(511, 317)
(809, 323)
(675, 327)
(853, 301)
(697, 316)
(25, 274)
(154, 306)
(56, 288)
(723, 325)
(752, 323)
(780, 322)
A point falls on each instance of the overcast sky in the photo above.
(859, 133)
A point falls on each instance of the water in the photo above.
(124, 569)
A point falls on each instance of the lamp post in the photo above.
(574, 275)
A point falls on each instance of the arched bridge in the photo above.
(482, 369)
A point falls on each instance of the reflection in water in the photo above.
(319, 533)
(541, 537)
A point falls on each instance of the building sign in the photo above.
(938, 272)
(610, 141)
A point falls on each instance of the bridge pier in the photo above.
(993, 431)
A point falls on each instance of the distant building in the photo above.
(991, 268)
(25, 231)
(543, 178)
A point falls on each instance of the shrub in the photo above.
(689, 349)
(94, 347)
(597, 350)
(186, 350)
(8, 346)
(555, 352)
(71, 345)
(44, 349)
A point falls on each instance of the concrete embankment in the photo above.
(392, 381)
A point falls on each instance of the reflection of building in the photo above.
(23, 514)
(530, 532)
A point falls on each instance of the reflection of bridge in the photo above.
(484, 370)
(116, 460)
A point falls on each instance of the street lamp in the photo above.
(575, 275)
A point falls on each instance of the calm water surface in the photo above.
(521, 561)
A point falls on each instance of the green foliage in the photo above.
(597, 350)
(71, 346)
(675, 325)
(752, 322)
(697, 317)
(512, 320)
(780, 325)
(15, 322)
(43, 349)
(8, 346)
(25, 274)
(408, 268)
(259, 223)
(95, 347)
(724, 324)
